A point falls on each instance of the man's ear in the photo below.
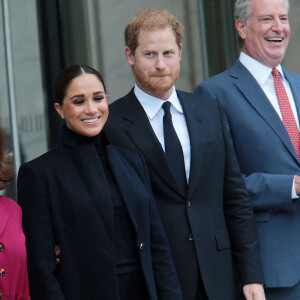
(129, 56)
(241, 28)
(180, 50)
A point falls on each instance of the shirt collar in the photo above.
(152, 104)
(258, 70)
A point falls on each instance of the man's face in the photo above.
(156, 61)
(266, 35)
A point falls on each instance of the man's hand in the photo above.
(297, 184)
(254, 291)
(57, 253)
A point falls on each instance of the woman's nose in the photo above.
(91, 107)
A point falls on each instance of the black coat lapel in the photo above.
(89, 173)
(130, 185)
(193, 112)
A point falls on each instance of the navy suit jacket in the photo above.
(211, 227)
(66, 201)
(269, 162)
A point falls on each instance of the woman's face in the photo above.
(85, 107)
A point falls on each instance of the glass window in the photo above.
(21, 81)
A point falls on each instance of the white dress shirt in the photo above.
(264, 77)
(155, 113)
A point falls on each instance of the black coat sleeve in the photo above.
(39, 232)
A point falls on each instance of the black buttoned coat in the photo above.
(65, 201)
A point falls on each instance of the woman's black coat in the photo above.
(65, 201)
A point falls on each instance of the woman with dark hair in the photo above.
(94, 200)
(13, 265)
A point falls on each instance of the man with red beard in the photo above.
(194, 173)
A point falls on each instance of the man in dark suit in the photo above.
(205, 212)
(262, 110)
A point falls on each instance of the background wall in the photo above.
(292, 57)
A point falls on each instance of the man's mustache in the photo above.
(159, 74)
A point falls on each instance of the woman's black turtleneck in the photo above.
(125, 247)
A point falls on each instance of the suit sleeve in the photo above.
(267, 191)
(165, 276)
(40, 240)
(239, 218)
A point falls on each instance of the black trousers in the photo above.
(132, 286)
(200, 294)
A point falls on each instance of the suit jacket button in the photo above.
(188, 204)
(2, 272)
(1, 247)
(142, 246)
(191, 238)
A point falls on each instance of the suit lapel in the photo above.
(143, 136)
(4, 214)
(249, 87)
(197, 134)
(96, 193)
(129, 185)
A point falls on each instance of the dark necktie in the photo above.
(173, 147)
(286, 112)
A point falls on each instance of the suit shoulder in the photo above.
(216, 80)
(119, 103)
(197, 100)
(9, 205)
(291, 75)
(116, 104)
(42, 162)
(116, 111)
(11, 208)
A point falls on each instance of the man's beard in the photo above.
(156, 86)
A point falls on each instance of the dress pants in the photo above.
(132, 286)
(200, 293)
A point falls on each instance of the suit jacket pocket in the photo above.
(262, 216)
(222, 239)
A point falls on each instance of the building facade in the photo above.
(40, 37)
